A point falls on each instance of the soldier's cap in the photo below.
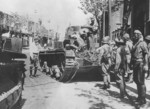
(106, 40)
(45, 62)
(35, 53)
(73, 36)
(36, 39)
(137, 32)
(126, 36)
(147, 37)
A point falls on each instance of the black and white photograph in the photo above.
(74, 54)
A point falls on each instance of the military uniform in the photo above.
(139, 53)
(104, 61)
(45, 68)
(148, 42)
(121, 65)
(129, 45)
(34, 51)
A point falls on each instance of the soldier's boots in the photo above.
(106, 86)
(141, 100)
(30, 72)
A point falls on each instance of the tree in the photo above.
(97, 7)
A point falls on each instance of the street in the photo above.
(87, 53)
(43, 92)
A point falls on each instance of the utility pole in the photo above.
(35, 12)
(104, 23)
(109, 3)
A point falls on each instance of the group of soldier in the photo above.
(124, 56)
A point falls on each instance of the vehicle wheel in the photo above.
(19, 101)
(18, 104)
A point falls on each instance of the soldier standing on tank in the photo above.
(140, 65)
(105, 61)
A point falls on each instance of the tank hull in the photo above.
(11, 78)
(82, 70)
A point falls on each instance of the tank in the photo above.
(72, 67)
(11, 72)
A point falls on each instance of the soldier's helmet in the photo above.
(147, 37)
(106, 40)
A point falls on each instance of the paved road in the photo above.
(43, 92)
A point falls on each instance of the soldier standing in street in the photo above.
(105, 61)
(34, 51)
(147, 38)
(121, 65)
(129, 45)
(140, 65)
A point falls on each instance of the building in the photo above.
(117, 8)
(141, 16)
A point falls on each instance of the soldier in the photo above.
(129, 45)
(72, 43)
(121, 65)
(147, 38)
(34, 51)
(113, 49)
(140, 65)
(104, 61)
(45, 68)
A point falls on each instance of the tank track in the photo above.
(11, 78)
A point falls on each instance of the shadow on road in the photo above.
(101, 105)
(98, 103)
(90, 76)
(133, 90)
